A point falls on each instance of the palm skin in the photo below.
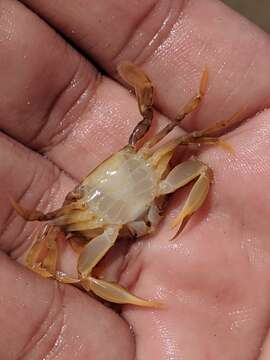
(214, 278)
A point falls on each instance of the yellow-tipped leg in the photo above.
(215, 128)
(213, 141)
(184, 214)
(65, 279)
(195, 102)
(96, 249)
(204, 80)
(106, 290)
(92, 253)
(226, 146)
(194, 201)
(180, 176)
(115, 293)
(191, 106)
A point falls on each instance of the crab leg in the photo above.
(107, 290)
(46, 267)
(212, 141)
(42, 257)
(135, 77)
(180, 176)
(36, 215)
(115, 293)
(93, 252)
(188, 108)
(96, 249)
(203, 136)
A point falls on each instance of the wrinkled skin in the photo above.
(215, 277)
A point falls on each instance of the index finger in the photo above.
(173, 40)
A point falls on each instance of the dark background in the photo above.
(257, 11)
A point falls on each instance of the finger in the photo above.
(45, 84)
(34, 182)
(54, 101)
(174, 41)
(40, 319)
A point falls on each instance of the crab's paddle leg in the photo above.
(135, 77)
(188, 108)
(96, 249)
(181, 175)
(93, 252)
(115, 293)
(108, 291)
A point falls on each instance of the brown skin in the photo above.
(215, 277)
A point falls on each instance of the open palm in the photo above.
(59, 118)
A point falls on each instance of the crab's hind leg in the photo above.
(93, 252)
(180, 176)
(135, 77)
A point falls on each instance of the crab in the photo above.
(125, 195)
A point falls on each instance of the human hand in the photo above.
(214, 278)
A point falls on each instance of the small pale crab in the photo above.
(125, 195)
